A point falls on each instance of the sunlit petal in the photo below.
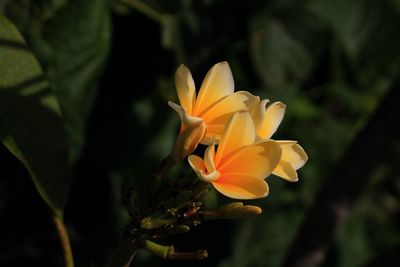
(293, 153)
(213, 133)
(258, 113)
(241, 186)
(217, 84)
(286, 171)
(196, 163)
(186, 119)
(272, 118)
(199, 167)
(258, 160)
(239, 132)
(185, 88)
(220, 112)
(209, 158)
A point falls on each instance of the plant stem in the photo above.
(65, 243)
(169, 253)
(145, 9)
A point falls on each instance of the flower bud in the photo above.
(230, 206)
(188, 140)
(243, 212)
(234, 211)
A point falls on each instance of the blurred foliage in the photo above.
(111, 64)
(31, 107)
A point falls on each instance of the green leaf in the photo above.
(73, 46)
(31, 125)
(284, 44)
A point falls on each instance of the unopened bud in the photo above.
(234, 210)
(188, 140)
(232, 205)
(243, 212)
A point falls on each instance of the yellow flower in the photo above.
(267, 120)
(239, 166)
(215, 102)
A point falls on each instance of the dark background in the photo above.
(334, 63)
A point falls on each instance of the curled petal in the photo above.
(286, 171)
(238, 133)
(187, 140)
(217, 84)
(199, 167)
(258, 160)
(258, 113)
(209, 158)
(186, 119)
(185, 88)
(273, 116)
(196, 163)
(293, 158)
(241, 186)
(293, 153)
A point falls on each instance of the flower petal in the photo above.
(238, 133)
(220, 112)
(217, 84)
(293, 153)
(186, 119)
(199, 167)
(240, 186)
(258, 113)
(196, 163)
(213, 134)
(293, 158)
(286, 171)
(185, 88)
(258, 160)
(273, 116)
(209, 158)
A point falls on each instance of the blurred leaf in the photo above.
(263, 242)
(31, 125)
(282, 44)
(368, 32)
(25, 13)
(73, 47)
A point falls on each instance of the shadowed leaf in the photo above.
(31, 125)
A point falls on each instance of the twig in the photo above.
(145, 9)
(65, 243)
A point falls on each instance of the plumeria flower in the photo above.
(238, 168)
(267, 119)
(215, 102)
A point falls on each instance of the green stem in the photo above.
(145, 9)
(169, 253)
(65, 243)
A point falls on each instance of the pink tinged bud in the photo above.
(188, 140)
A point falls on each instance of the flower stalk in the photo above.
(65, 243)
(145, 9)
(169, 253)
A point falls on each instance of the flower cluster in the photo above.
(242, 126)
